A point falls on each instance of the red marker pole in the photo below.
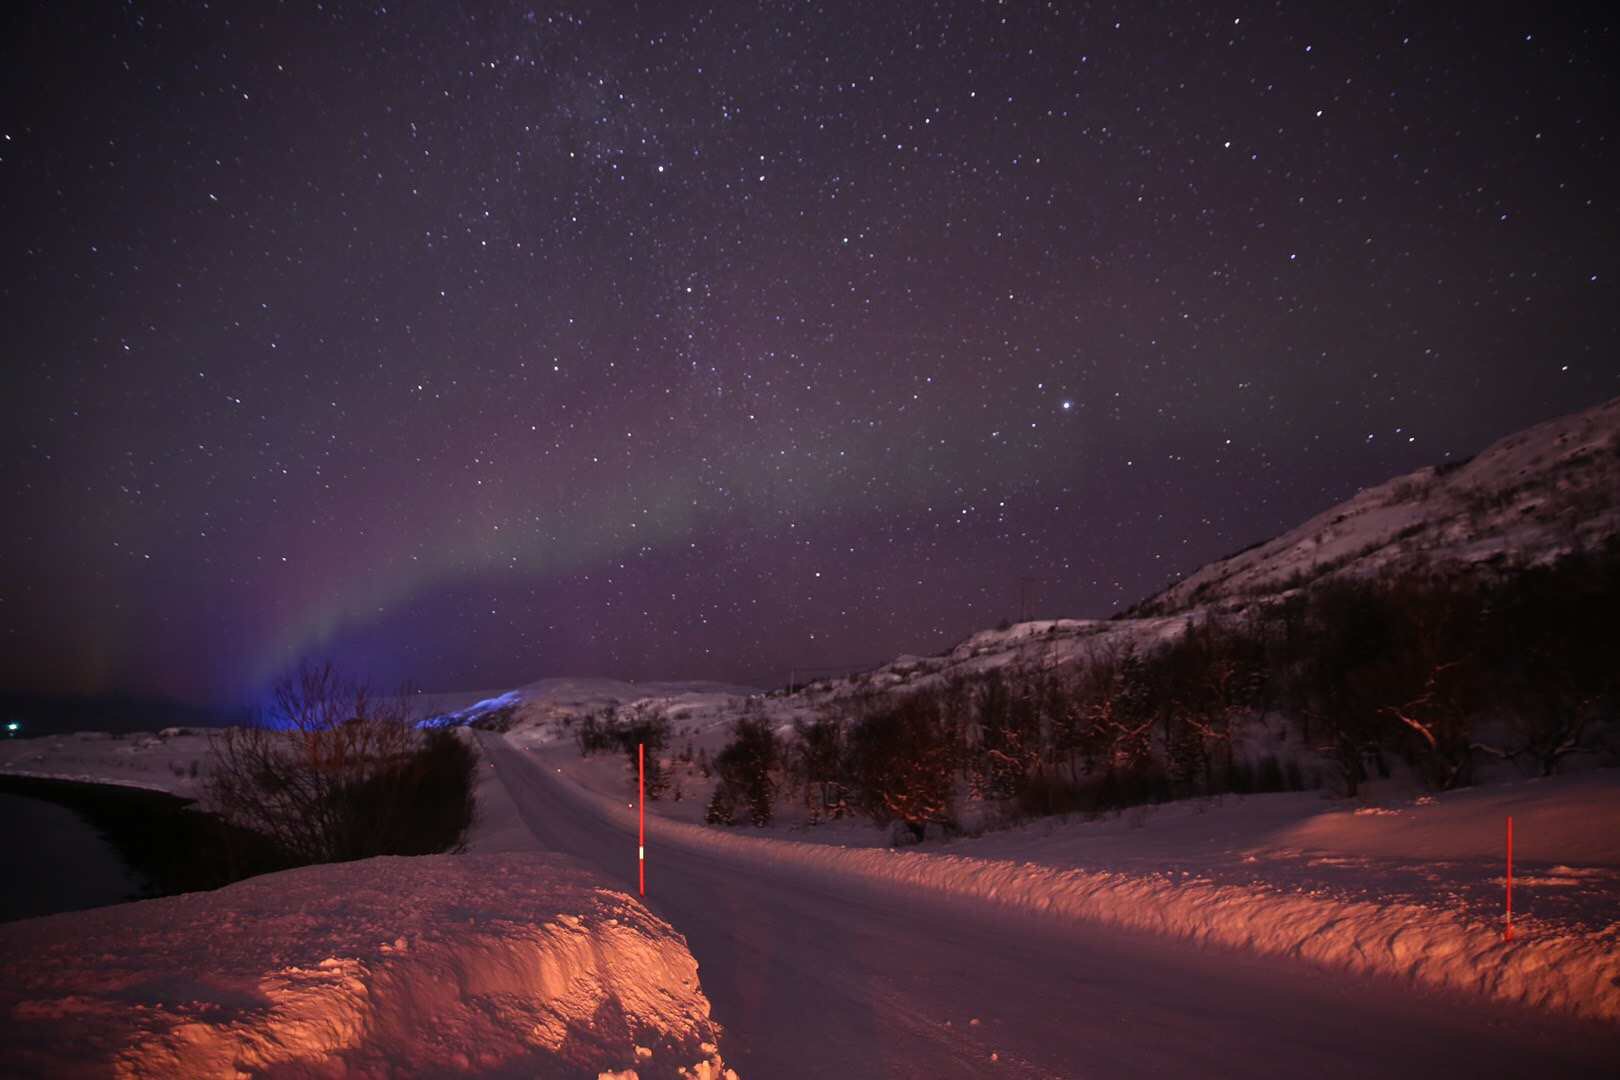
(641, 806)
(1508, 934)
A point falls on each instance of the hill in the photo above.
(1525, 499)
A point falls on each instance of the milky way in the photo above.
(469, 344)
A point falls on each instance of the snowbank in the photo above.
(1568, 819)
(1553, 964)
(511, 963)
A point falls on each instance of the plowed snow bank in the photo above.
(514, 964)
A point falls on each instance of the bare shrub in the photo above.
(333, 772)
(903, 764)
(745, 767)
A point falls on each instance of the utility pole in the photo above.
(1024, 584)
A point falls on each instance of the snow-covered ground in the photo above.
(1153, 941)
(830, 961)
(517, 964)
(1406, 886)
(174, 760)
(1398, 882)
(1408, 883)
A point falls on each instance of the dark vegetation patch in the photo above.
(626, 732)
(337, 773)
(1345, 677)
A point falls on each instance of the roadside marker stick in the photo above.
(1508, 934)
(641, 805)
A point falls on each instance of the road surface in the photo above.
(824, 978)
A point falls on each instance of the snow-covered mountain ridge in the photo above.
(1525, 498)
(542, 709)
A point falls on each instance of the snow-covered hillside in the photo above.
(544, 712)
(1524, 499)
(541, 707)
(521, 964)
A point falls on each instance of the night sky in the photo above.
(470, 344)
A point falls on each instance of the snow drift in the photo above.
(509, 964)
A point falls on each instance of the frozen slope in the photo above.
(820, 974)
(1523, 499)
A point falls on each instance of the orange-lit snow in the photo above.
(1412, 892)
(517, 963)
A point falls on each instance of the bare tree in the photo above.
(818, 756)
(1116, 718)
(326, 772)
(903, 764)
(746, 766)
(1439, 723)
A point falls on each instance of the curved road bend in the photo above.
(823, 978)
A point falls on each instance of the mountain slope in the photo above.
(1526, 498)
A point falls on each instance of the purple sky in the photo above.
(474, 343)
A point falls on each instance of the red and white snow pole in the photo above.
(1507, 935)
(641, 807)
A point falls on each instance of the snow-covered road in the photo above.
(820, 977)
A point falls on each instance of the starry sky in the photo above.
(475, 343)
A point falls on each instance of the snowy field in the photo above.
(514, 964)
(173, 760)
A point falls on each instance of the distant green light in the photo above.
(13, 726)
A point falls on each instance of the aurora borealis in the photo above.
(469, 344)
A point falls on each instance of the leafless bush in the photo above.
(334, 772)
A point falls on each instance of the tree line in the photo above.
(1334, 684)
